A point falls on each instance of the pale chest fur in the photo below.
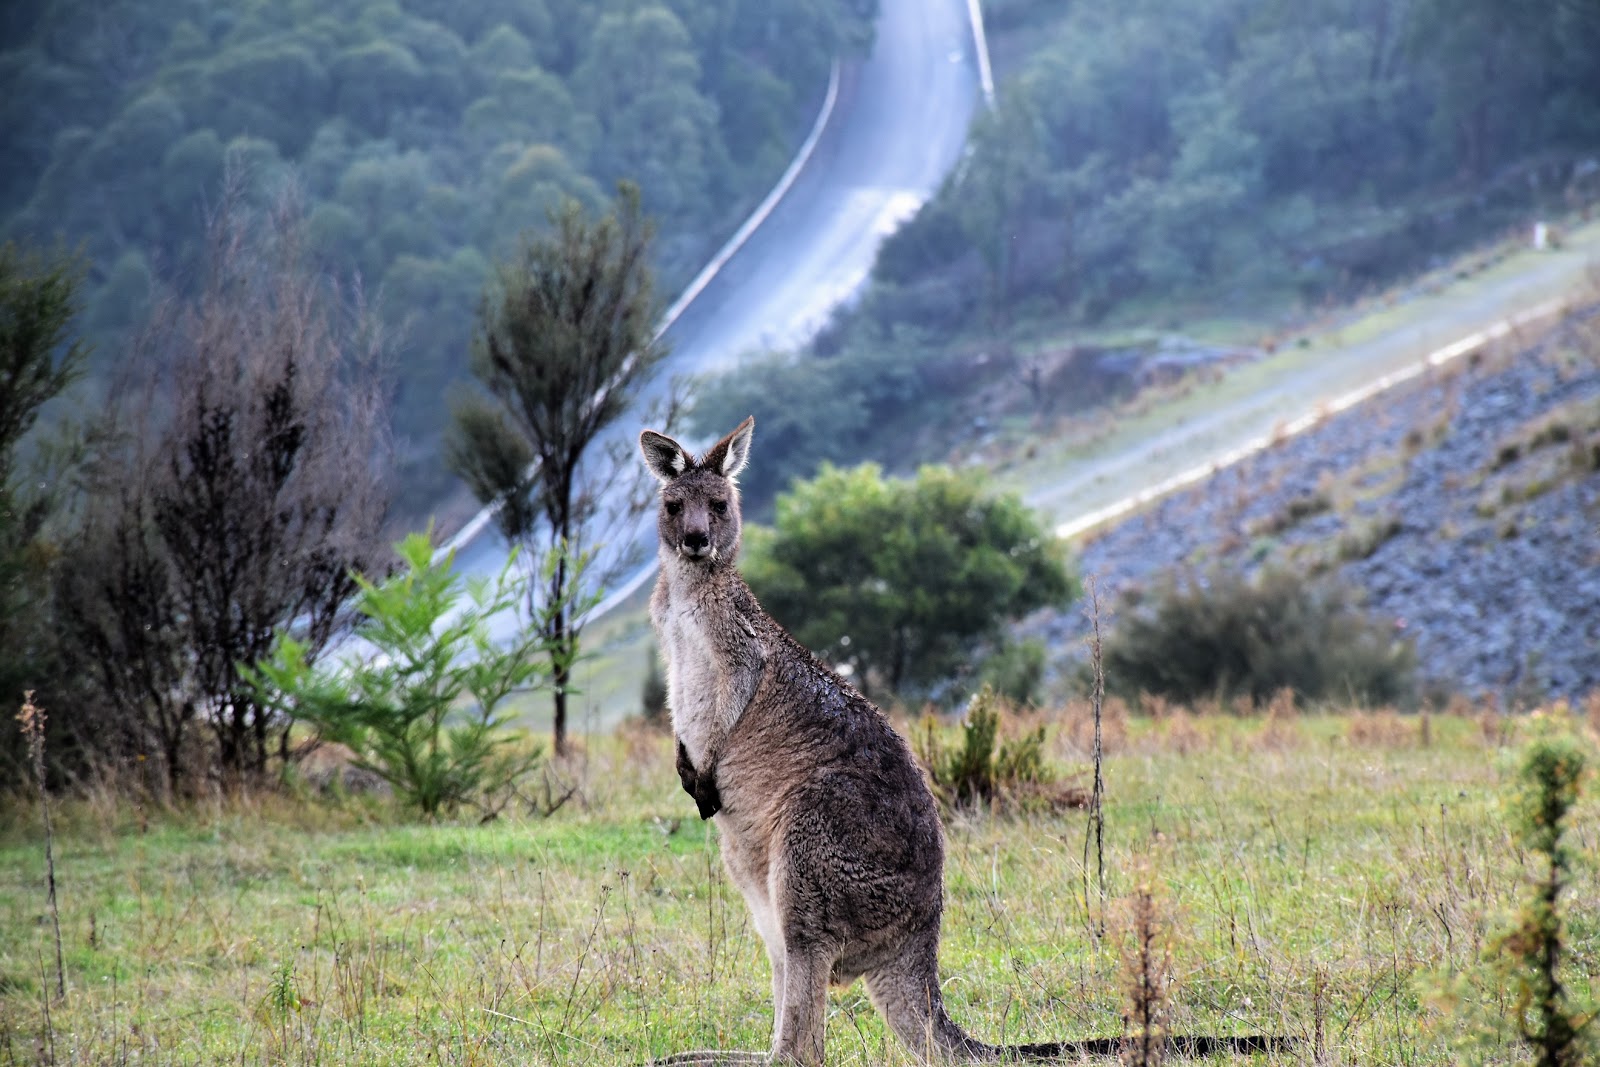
(693, 624)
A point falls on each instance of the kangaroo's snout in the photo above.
(696, 542)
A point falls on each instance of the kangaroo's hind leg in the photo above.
(906, 993)
(798, 1040)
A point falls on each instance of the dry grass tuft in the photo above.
(1156, 706)
(1184, 734)
(1281, 730)
(1077, 727)
(1495, 726)
(1383, 728)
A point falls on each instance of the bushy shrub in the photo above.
(423, 709)
(982, 768)
(1227, 635)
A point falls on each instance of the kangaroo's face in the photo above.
(699, 517)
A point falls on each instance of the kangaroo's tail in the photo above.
(1198, 1046)
(911, 1002)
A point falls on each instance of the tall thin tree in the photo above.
(564, 345)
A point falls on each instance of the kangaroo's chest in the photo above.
(693, 675)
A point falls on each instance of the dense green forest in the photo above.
(1148, 160)
(423, 134)
(1216, 146)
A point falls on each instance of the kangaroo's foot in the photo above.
(711, 1057)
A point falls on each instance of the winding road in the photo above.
(897, 127)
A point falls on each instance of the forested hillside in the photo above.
(425, 135)
(1150, 164)
(1150, 149)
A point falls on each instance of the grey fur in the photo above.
(826, 823)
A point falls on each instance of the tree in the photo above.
(641, 76)
(902, 579)
(565, 343)
(38, 359)
(241, 489)
(400, 708)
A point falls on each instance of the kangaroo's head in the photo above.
(699, 518)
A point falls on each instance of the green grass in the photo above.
(1330, 850)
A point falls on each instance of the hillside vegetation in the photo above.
(1228, 148)
(425, 136)
(1222, 167)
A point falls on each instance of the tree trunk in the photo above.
(561, 640)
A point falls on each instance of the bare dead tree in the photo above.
(244, 484)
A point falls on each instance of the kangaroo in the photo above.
(827, 826)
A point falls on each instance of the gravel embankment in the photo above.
(1488, 558)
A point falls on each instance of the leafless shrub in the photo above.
(236, 486)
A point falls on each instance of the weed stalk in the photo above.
(1146, 970)
(31, 719)
(1095, 831)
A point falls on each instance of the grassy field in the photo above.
(1320, 875)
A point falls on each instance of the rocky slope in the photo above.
(1465, 505)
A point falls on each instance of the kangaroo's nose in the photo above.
(694, 540)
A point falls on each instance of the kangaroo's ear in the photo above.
(728, 456)
(664, 456)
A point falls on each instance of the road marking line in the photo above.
(980, 43)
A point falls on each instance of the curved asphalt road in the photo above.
(898, 127)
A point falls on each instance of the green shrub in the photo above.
(982, 768)
(1225, 635)
(422, 710)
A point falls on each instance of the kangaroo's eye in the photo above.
(674, 506)
(719, 506)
